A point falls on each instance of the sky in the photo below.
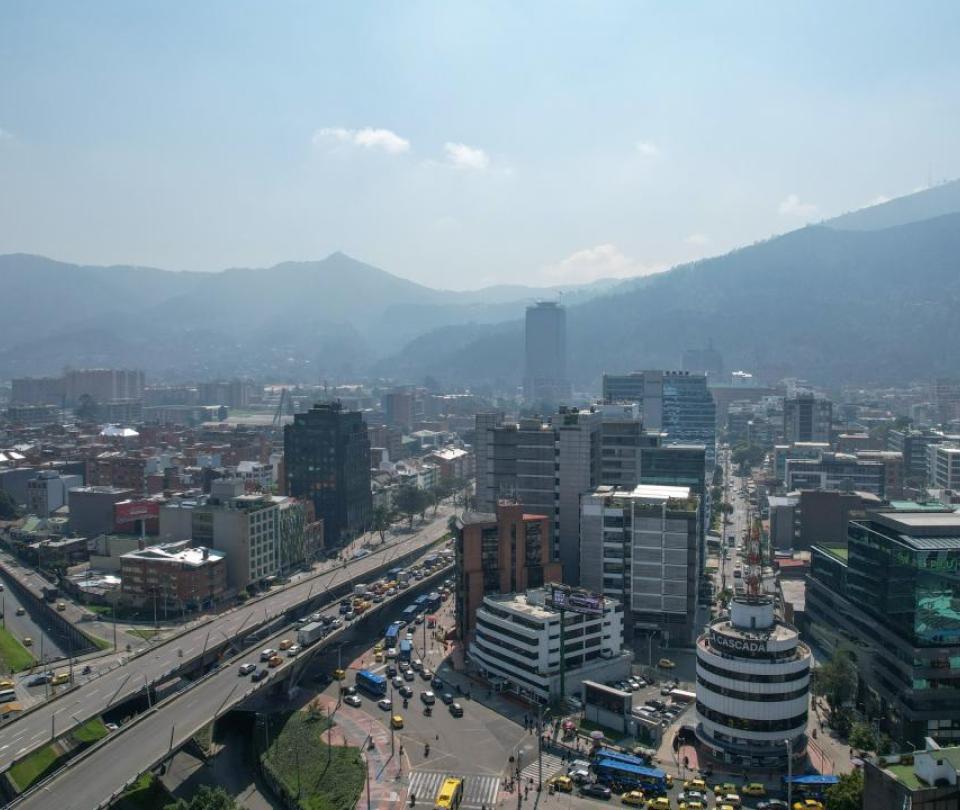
(462, 144)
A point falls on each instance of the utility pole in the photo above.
(563, 656)
(367, 758)
(789, 773)
(519, 791)
(115, 621)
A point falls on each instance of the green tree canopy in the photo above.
(380, 521)
(8, 507)
(206, 798)
(847, 794)
(410, 501)
(836, 680)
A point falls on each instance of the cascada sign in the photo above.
(750, 646)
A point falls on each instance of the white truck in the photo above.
(310, 633)
(359, 589)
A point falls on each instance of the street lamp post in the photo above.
(789, 745)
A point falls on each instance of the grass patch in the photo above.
(147, 793)
(34, 767)
(144, 633)
(298, 757)
(204, 738)
(91, 731)
(13, 655)
(100, 643)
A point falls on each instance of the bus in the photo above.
(371, 683)
(627, 774)
(450, 795)
(393, 633)
(433, 601)
(410, 613)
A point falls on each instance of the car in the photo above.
(267, 654)
(665, 690)
(634, 798)
(773, 804)
(286, 644)
(653, 703)
(732, 799)
(59, 678)
(428, 697)
(408, 675)
(348, 690)
(391, 671)
(456, 710)
(294, 650)
(753, 789)
(339, 674)
(246, 669)
(579, 775)
(692, 804)
(6, 683)
(447, 698)
(426, 674)
(416, 664)
(397, 681)
(695, 784)
(636, 683)
(405, 692)
(723, 788)
(659, 803)
(20, 611)
(337, 622)
(27, 641)
(808, 804)
(396, 721)
(349, 616)
(665, 663)
(692, 796)
(562, 783)
(259, 675)
(385, 704)
(61, 606)
(111, 726)
(437, 682)
(38, 680)
(353, 700)
(391, 653)
(275, 661)
(595, 790)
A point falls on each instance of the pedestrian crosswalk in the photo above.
(551, 764)
(478, 791)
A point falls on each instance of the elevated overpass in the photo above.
(199, 647)
(98, 776)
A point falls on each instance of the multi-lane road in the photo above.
(93, 781)
(46, 641)
(92, 698)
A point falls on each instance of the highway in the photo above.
(93, 780)
(45, 637)
(92, 698)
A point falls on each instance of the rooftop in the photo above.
(188, 556)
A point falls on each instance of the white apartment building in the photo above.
(943, 466)
(517, 644)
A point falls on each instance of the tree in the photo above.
(8, 507)
(206, 798)
(746, 456)
(380, 521)
(409, 501)
(847, 794)
(836, 681)
(862, 737)
(437, 494)
(726, 508)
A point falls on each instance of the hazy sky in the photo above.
(461, 144)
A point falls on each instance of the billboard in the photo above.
(576, 600)
(739, 645)
(129, 511)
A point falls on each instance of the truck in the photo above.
(359, 589)
(310, 633)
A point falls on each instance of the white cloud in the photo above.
(697, 239)
(793, 207)
(368, 138)
(648, 149)
(591, 264)
(466, 157)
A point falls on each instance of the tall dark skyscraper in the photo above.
(545, 356)
(326, 455)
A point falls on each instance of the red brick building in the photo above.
(178, 576)
(506, 552)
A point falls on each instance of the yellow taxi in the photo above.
(632, 797)
(378, 656)
(733, 799)
(726, 807)
(339, 674)
(753, 789)
(808, 804)
(378, 647)
(59, 678)
(659, 803)
(61, 606)
(693, 804)
(695, 784)
(274, 661)
(396, 721)
(285, 644)
(724, 788)
(6, 683)
(665, 663)
(562, 783)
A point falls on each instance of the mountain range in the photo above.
(869, 296)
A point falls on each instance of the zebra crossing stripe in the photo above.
(478, 791)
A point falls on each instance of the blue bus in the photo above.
(629, 775)
(406, 650)
(433, 601)
(619, 756)
(371, 683)
(422, 600)
(391, 636)
(410, 613)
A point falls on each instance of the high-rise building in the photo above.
(102, 384)
(704, 361)
(545, 354)
(943, 466)
(507, 551)
(486, 495)
(807, 418)
(913, 445)
(642, 547)
(677, 403)
(546, 466)
(753, 687)
(894, 588)
(327, 461)
(837, 471)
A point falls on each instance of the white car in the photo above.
(267, 654)
(293, 651)
(385, 703)
(391, 652)
(246, 669)
(428, 698)
(352, 700)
